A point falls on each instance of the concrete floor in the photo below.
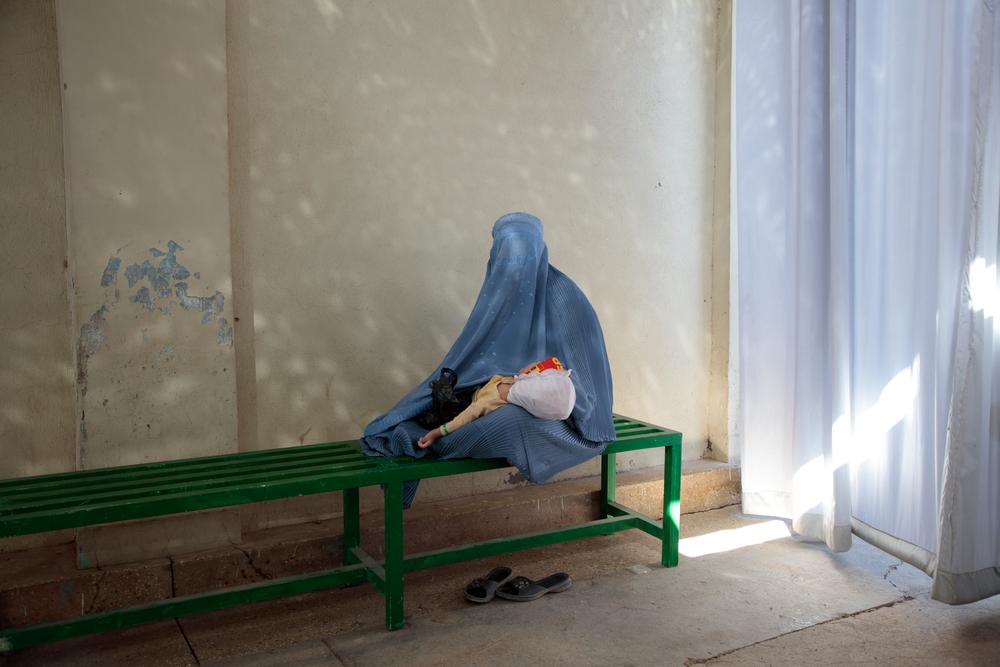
(779, 602)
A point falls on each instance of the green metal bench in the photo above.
(69, 500)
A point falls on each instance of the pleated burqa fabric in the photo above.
(526, 310)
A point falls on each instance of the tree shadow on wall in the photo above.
(373, 147)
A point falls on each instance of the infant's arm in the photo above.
(429, 438)
(475, 410)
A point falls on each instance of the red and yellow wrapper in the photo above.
(547, 365)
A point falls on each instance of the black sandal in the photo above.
(522, 589)
(484, 588)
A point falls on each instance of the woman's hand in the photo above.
(429, 438)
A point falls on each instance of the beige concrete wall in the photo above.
(373, 145)
(718, 392)
(322, 177)
(145, 101)
(36, 356)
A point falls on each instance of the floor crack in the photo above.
(253, 565)
(889, 570)
(710, 509)
(344, 661)
(187, 641)
(173, 594)
(97, 591)
(690, 662)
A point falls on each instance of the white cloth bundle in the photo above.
(546, 395)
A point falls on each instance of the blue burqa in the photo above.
(527, 310)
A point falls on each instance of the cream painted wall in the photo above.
(36, 362)
(145, 108)
(718, 391)
(372, 147)
(330, 171)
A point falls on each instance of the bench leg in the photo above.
(607, 482)
(671, 504)
(352, 524)
(393, 496)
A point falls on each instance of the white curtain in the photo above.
(866, 319)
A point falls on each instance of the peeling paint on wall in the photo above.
(91, 340)
(143, 298)
(225, 335)
(167, 286)
(156, 283)
(160, 276)
(110, 275)
(515, 479)
(210, 306)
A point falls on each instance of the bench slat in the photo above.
(639, 434)
(87, 498)
(385, 470)
(67, 500)
(165, 476)
(73, 477)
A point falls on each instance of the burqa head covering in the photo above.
(526, 310)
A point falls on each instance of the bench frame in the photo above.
(387, 574)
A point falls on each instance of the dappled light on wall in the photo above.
(373, 145)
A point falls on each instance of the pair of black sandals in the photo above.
(501, 582)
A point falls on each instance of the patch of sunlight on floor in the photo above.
(735, 538)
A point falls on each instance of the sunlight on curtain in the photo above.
(866, 203)
(983, 293)
(872, 426)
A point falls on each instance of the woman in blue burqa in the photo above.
(526, 310)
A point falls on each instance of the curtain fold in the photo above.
(866, 154)
(968, 566)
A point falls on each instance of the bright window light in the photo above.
(983, 292)
(735, 538)
(811, 483)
